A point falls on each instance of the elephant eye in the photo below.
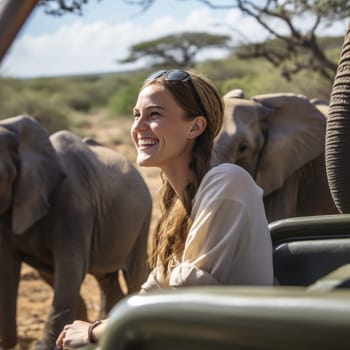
(242, 147)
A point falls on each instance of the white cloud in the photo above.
(92, 47)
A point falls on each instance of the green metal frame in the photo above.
(228, 317)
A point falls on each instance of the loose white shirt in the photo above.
(229, 242)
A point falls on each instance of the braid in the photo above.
(171, 229)
(175, 221)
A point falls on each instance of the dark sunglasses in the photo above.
(179, 75)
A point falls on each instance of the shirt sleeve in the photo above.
(152, 282)
(211, 245)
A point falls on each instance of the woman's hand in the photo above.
(74, 335)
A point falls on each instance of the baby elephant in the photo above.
(67, 208)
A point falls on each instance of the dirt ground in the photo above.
(35, 296)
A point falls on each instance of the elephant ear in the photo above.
(321, 105)
(296, 135)
(39, 172)
(235, 93)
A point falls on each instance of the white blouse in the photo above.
(229, 242)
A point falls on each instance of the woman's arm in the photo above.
(81, 333)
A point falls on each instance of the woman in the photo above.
(213, 228)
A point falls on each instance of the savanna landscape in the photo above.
(100, 107)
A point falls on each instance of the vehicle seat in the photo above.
(306, 249)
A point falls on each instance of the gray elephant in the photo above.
(67, 208)
(338, 132)
(279, 139)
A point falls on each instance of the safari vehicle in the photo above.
(307, 308)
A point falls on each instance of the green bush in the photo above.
(67, 102)
(46, 110)
(122, 103)
(257, 76)
(109, 84)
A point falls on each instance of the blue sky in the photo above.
(51, 46)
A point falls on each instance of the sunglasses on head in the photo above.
(179, 75)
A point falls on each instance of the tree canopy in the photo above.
(296, 45)
(175, 50)
(60, 7)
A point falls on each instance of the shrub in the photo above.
(122, 103)
(47, 111)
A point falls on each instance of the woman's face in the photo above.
(160, 132)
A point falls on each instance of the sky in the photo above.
(92, 43)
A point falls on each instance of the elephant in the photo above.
(279, 139)
(67, 208)
(338, 132)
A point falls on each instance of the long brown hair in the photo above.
(175, 221)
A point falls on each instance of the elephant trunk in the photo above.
(338, 133)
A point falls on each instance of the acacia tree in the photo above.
(296, 46)
(175, 50)
(289, 45)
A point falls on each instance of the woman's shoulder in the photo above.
(229, 171)
(228, 180)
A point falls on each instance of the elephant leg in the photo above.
(136, 269)
(67, 282)
(57, 319)
(111, 292)
(81, 313)
(10, 266)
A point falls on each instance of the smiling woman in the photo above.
(212, 228)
